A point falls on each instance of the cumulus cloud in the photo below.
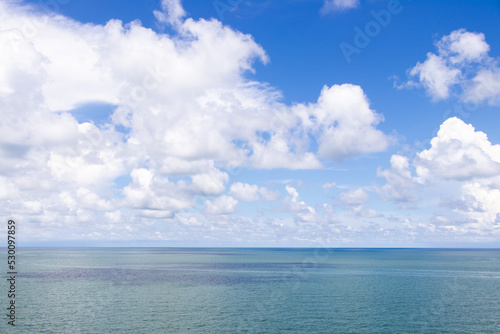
(338, 5)
(153, 192)
(481, 203)
(436, 76)
(462, 46)
(461, 67)
(399, 181)
(221, 205)
(301, 211)
(354, 197)
(461, 171)
(210, 183)
(458, 152)
(188, 102)
(182, 112)
(485, 86)
(251, 192)
(245, 191)
(341, 114)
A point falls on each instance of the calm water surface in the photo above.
(193, 290)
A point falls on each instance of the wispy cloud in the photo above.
(331, 6)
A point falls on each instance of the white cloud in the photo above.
(329, 185)
(33, 207)
(178, 167)
(460, 171)
(436, 76)
(338, 5)
(152, 192)
(464, 155)
(221, 205)
(8, 189)
(341, 114)
(354, 197)
(399, 181)
(92, 156)
(154, 214)
(482, 203)
(269, 195)
(461, 67)
(88, 199)
(359, 211)
(462, 46)
(293, 204)
(458, 152)
(183, 112)
(245, 191)
(485, 86)
(172, 12)
(210, 183)
(250, 192)
(114, 216)
(188, 100)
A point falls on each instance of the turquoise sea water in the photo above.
(193, 290)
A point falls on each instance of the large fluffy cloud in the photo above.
(460, 171)
(182, 114)
(458, 152)
(461, 67)
(340, 116)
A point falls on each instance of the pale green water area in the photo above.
(195, 290)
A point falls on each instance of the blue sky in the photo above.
(332, 123)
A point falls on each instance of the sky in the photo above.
(239, 123)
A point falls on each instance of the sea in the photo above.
(254, 290)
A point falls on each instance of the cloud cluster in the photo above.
(462, 167)
(460, 67)
(460, 171)
(181, 119)
(181, 114)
